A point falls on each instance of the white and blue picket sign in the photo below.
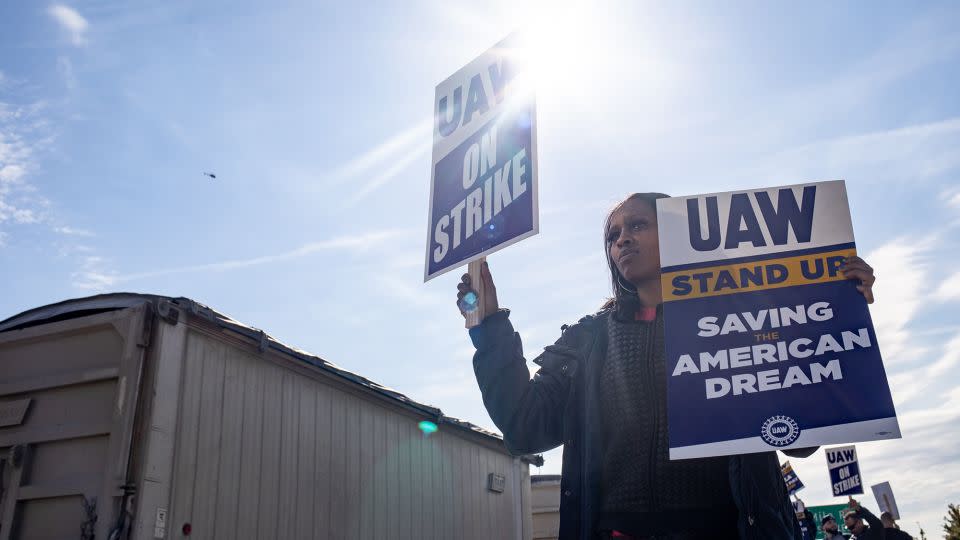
(483, 190)
(844, 471)
(769, 346)
(790, 478)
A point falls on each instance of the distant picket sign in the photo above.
(799, 509)
(844, 471)
(768, 345)
(883, 493)
(790, 478)
(483, 188)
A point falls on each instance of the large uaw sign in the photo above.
(768, 345)
(844, 471)
(483, 192)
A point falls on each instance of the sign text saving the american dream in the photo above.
(483, 192)
(768, 345)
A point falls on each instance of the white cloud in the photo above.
(68, 250)
(92, 276)
(901, 269)
(949, 359)
(70, 231)
(11, 173)
(15, 156)
(71, 21)
(901, 155)
(17, 215)
(949, 289)
(95, 281)
(358, 243)
(19, 141)
(953, 199)
(916, 358)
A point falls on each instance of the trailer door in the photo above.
(68, 397)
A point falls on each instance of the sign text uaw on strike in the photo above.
(483, 194)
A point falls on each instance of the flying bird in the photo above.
(210, 174)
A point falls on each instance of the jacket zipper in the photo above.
(585, 378)
(651, 334)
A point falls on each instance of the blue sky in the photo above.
(315, 118)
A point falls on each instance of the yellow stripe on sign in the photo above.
(754, 276)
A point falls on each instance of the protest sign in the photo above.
(799, 509)
(844, 470)
(884, 495)
(832, 510)
(483, 188)
(768, 346)
(790, 478)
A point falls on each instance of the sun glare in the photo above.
(564, 49)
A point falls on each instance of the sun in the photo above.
(565, 50)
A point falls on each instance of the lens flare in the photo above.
(427, 427)
(468, 304)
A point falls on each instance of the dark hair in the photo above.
(624, 293)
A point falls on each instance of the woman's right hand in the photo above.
(488, 303)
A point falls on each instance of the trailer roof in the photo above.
(79, 307)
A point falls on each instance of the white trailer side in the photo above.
(201, 427)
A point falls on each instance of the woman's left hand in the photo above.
(856, 268)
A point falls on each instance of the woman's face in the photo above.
(632, 241)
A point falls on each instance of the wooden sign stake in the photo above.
(476, 282)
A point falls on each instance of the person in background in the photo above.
(892, 529)
(808, 527)
(831, 531)
(854, 519)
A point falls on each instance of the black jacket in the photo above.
(875, 531)
(809, 525)
(560, 406)
(896, 534)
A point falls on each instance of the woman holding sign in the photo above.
(601, 392)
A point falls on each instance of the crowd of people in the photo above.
(862, 524)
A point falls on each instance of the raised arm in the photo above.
(528, 411)
(866, 515)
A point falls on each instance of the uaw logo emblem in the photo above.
(779, 430)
